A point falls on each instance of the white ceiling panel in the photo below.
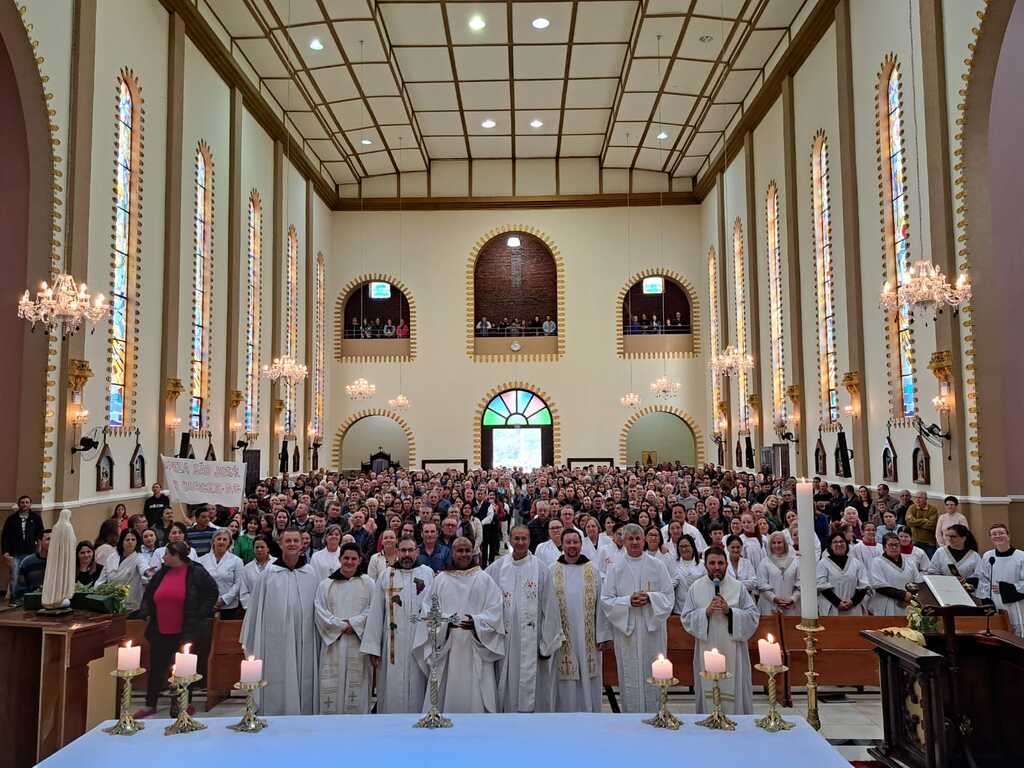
(604, 21)
(293, 11)
(376, 79)
(689, 166)
(557, 14)
(336, 83)
(548, 118)
(432, 96)
(590, 93)
(347, 9)
(377, 163)
(586, 121)
(651, 159)
(440, 123)
(445, 147)
(414, 23)
(648, 43)
(493, 14)
(646, 74)
(235, 16)
(626, 134)
(780, 13)
(702, 143)
(352, 33)
(539, 94)
(597, 60)
(485, 62)
(308, 124)
(581, 146)
(536, 146)
(688, 76)
(539, 61)
(491, 146)
(737, 84)
(418, 64)
(758, 48)
(729, 9)
(409, 160)
(389, 110)
(636, 106)
(502, 122)
(492, 95)
(619, 157)
(674, 109)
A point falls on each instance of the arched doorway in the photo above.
(517, 430)
(366, 433)
(661, 438)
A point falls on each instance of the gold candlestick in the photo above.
(126, 725)
(664, 718)
(717, 720)
(249, 722)
(810, 627)
(773, 722)
(185, 722)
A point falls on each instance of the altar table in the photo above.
(531, 740)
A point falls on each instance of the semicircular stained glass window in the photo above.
(517, 407)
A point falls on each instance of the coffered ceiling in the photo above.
(372, 87)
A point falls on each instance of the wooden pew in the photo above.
(136, 632)
(844, 657)
(223, 661)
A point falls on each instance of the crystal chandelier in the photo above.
(730, 362)
(64, 304)
(926, 288)
(664, 387)
(630, 400)
(285, 368)
(360, 389)
(400, 402)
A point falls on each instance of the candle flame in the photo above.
(173, 667)
(661, 657)
(186, 647)
(128, 644)
(770, 638)
(252, 658)
(714, 650)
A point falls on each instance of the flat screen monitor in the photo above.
(654, 285)
(516, 447)
(380, 290)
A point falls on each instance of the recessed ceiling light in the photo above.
(315, 44)
(706, 38)
(535, 123)
(662, 136)
(488, 123)
(477, 23)
(366, 142)
(513, 242)
(541, 23)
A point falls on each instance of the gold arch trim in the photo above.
(347, 424)
(556, 422)
(474, 254)
(687, 419)
(691, 294)
(339, 320)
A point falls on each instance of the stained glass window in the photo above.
(716, 345)
(291, 335)
(252, 314)
(897, 235)
(775, 331)
(743, 379)
(198, 384)
(824, 279)
(516, 407)
(319, 374)
(126, 211)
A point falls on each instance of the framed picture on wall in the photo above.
(649, 458)
(890, 470)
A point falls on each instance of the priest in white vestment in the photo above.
(388, 636)
(342, 603)
(470, 647)
(529, 642)
(720, 614)
(637, 598)
(1001, 577)
(278, 628)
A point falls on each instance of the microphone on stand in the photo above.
(988, 616)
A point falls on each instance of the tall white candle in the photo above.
(185, 662)
(128, 657)
(714, 662)
(661, 669)
(252, 670)
(808, 565)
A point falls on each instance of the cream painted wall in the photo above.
(736, 210)
(294, 216)
(367, 435)
(445, 386)
(709, 239)
(664, 433)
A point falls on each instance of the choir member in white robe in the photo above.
(637, 598)
(254, 570)
(868, 548)
(523, 581)
(679, 513)
(889, 576)
(575, 616)
(279, 629)
(916, 555)
(1002, 577)
(740, 568)
(792, 535)
(841, 580)
(125, 565)
(469, 648)
(342, 603)
(610, 553)
(778, 575)
(226, 569)
(549, 551)
(959, 556)
(327, 560)
(720, 614)
(688, 569)
(390, 630)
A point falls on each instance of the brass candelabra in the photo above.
(810, 627)
(717, 720)
(185, 723)
(249, 722)
(126, 725)
(773, 722)
(664, 718)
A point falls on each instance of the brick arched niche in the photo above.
(683, 416)
(640, 340)
(515, 272)
(359, 300)
(347, 424)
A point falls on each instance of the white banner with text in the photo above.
(191, 481)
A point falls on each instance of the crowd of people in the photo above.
(377, 328)
(639, 325)
(517, 327)
(543, 571)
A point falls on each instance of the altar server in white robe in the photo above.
(327, 560)
(226, 569)
(529, 644)
(254, 570)
(389, 632)
(1002, 577)
(470, 647)
(741, 568)
(778, 589)
(688, 568)
(720, 614)
(868, 548)
(549, 551)
(574, 610)
(342, 603)
(841, 580)
(612, 552)
(637, 597)
(958, 556)
(679, 513)
(279, 629)
(889, 577)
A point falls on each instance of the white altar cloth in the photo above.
(518, 740)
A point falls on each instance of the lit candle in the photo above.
(128, 657)
(661, 669)
(808, 565)
(185, 662)
(252, 670)
(770, 652)
(714, 662)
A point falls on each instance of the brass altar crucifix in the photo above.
(434, 620)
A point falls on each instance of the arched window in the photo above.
(825, 282)
(775, 333)
(739, 278)
(124, 271)
(291, 332)
(517, 431)
(199, 387)
(318, 346)
(896, 237)
(714, 330)
(252, 314)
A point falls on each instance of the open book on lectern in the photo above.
(948, 591)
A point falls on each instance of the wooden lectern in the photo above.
(44, 676)
(953, 702)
